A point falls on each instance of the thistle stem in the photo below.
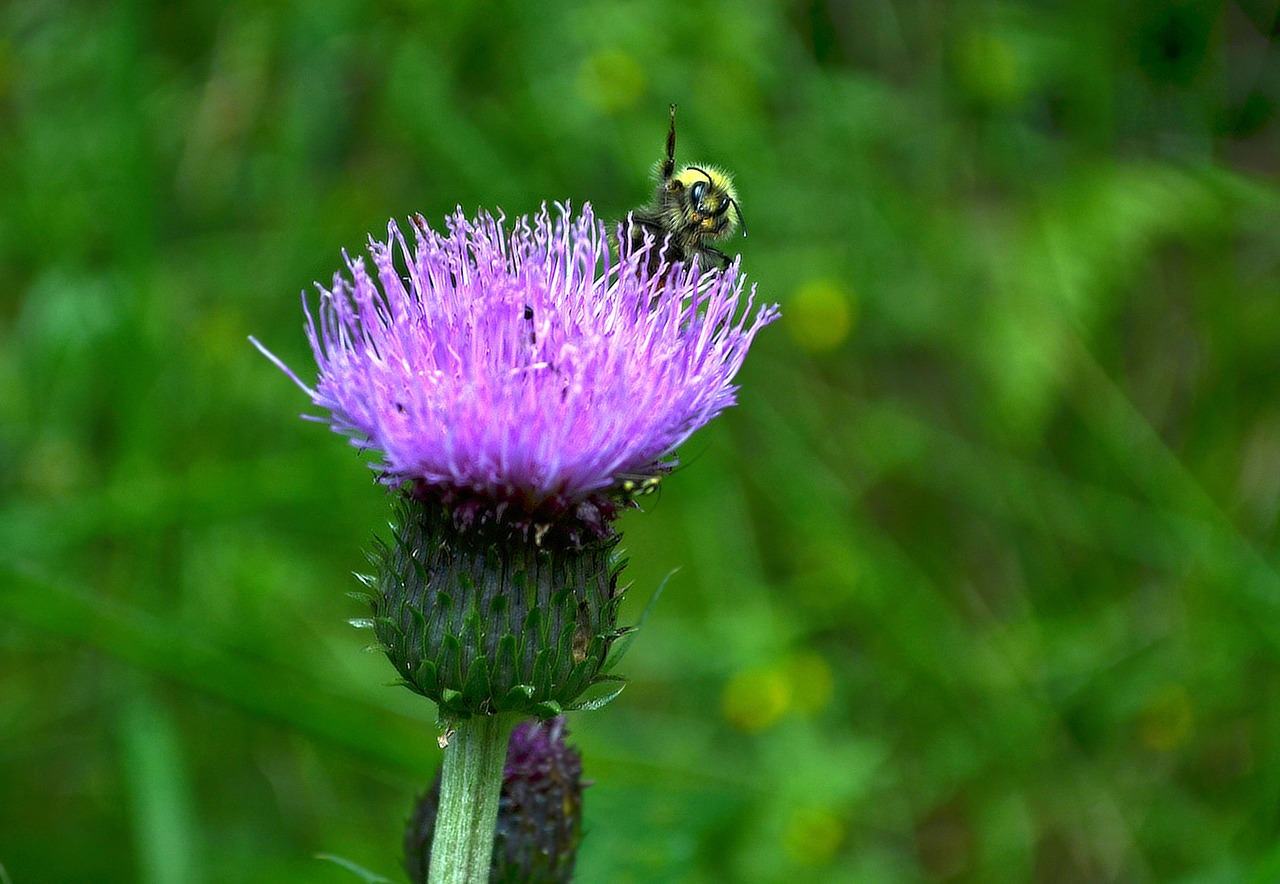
(470, 785)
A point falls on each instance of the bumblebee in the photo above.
(688, 212)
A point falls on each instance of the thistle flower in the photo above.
(520, 386)
(524, 373)
(539, 822)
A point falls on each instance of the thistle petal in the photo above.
(523, 366)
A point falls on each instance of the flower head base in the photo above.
(526, 375)
(482, 623)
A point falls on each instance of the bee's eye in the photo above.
(697, 189)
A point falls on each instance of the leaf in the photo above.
(624, 643)
(358, 870)
(599, 702)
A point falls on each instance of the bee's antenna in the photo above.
(741, 222)
(705, 173)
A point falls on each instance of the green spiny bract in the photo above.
(485, 621)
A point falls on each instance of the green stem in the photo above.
(470, 785)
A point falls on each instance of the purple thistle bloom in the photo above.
(525, 371)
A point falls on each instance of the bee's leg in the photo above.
(669, 164)
(724, 259)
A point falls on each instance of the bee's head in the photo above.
(708, 195)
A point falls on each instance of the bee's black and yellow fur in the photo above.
(691, 206)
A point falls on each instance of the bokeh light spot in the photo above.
(988, 70)
(611, 80)
(820, 314)
(755, 699)
(812, 836)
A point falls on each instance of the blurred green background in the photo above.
(979, 583)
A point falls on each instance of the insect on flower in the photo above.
(690, 210)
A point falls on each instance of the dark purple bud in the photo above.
(539, 813)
